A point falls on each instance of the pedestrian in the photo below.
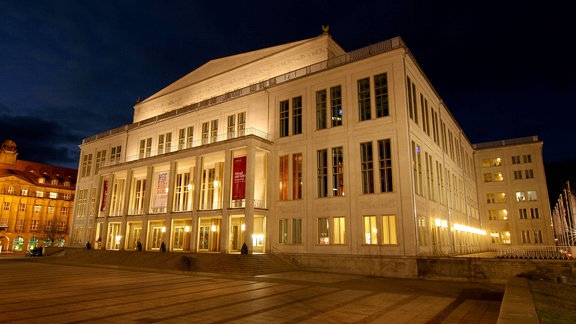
(138, 246)
(162, 247)
(88, 246)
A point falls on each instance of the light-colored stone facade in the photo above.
(300, 148)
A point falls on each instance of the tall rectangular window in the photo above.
(284, 177)
(389, 235)
(138, 193)
(538, 237)
(338, 171)
(164, 143)
(214, 131)
(100, 160)
(534, 213)
(525, 237)
(297, 231)
(339, 232)
(231, 129)
(385, 164)
(86, 165)
(323, 231)
(205, 132)
(364, 99)
(182, 192)
(185, 137)
(367, 167)
(145, 149)
(336, 105)
(297, 176)
(321, 103)
(297, 115)
(381, 95)
(284, 118)
(283, 231)
(412, 102)
(370, 230)
(241, 127)
(115, 153)
(117, 197)
(322, 173)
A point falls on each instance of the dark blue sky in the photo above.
(70, 69)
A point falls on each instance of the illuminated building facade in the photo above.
(37, 202)
(298, 148)
(513, 192)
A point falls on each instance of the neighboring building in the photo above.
(513, 192)
(564, 218)
(298, 148)
(37, 202)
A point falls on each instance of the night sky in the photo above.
(72, 69)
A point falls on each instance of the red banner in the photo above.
(104, 195)
(239, 178)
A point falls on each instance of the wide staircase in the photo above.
(237, 264)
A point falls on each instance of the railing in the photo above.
(535, 252)
(349, 57)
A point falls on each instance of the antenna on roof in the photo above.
(325, 29)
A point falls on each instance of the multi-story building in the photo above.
(37, 202)
(564, 218)
(297, 148)
(513, 193)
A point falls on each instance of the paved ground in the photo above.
(38, 292)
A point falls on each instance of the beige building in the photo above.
(37, 202)
(513, 192)
(299, 148)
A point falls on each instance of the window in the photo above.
(487, 163)
(529, 174)
(205, 132)
(518, 175)
(48, 225)
(81, 202)
(214, 131)
(297, 115)
(284, 118)
(337, 171)
(11, 190)
(336, 105)
(297, 231)
(53, 195)
(21, 207)
(523, 213)
(498, 214)
(364, 99)
(322, 173)
(297, 176)
(283, 231)
(138, 191)
(39, 193)
(145, 149)
(323, 227)
(6, 206)
(241, 128)
(525, 237)
(531, 196)
(185, 137)
(321, 103)
(100, 160)
(381, 95)
(41, 180)
(182, 192)
(164, 143)
(367, 168)
(516, 159)
(159, 191)
(538, 237)
(412, 102)
(385, 164)
(86, 165)
(231, 129)
(370, 230)
(520, 196)
(497, 197)
(24, 192)
(389, 235)
(527, 158)
(534, 213)
(67, 196)
(339, 233)
(284, 127)
(34, 225)
(64, 210)
(284, 177)
(115, 153)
